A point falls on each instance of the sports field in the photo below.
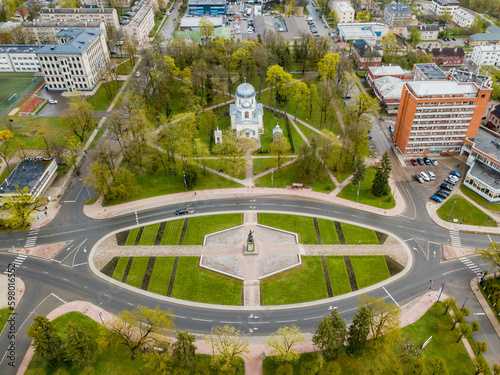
(13, 83)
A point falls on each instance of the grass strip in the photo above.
(149, 234)
(161, 275)
(119, 271)
(369, 269)
(338, 275)
(132, 235)
(109, 268)
(301, 225)
(355, 235)
(200, 226)
(328, 232)
(172, 232)
(137, 271)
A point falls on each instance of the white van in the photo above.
(431, 175)
(309, 18)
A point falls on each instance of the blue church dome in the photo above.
(245, 91)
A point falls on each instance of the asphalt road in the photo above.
(167, 31)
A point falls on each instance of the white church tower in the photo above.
(246, 113)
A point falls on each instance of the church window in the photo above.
(247, 115)
(254, 115)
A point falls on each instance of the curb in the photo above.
(484, 303)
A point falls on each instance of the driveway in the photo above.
(53, 110)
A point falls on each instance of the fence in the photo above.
(21, 96)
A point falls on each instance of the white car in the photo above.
(138, 74)
(431, 175)
(434, 162)
(454, 178)
(425, 176)
(53, 101)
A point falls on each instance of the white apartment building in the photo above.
(442, 6)
(44, 32)
(14, 58)
(463, 17)
(76, 63)
(427, 32)
(345, 12)
(486, 55)
(107, 15)
(141, 24)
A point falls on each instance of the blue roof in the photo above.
(79, 40)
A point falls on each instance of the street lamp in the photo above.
(466, 298)
(451, 210)
(357, 195)
(212, 338)
(185, 185)
(272, 178)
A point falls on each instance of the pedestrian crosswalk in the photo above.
(17, 263)
(32, 237)
(471, 265)
(455, 238)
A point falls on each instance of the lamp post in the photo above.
(466, 298)
(185, 185)
(212, 338)
(357, 195)
(451, 210)
(272, 178)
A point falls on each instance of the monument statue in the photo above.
(250, 237)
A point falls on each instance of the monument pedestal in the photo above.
(250, 249)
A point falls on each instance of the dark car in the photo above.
(427, 161)
(420, 161)
(444, 192)
(453, 39)
(418, 178)
(182, 211)
(441, 195)
(446, 187)
(413, 162)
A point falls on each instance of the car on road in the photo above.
(53, 101)
(420, 161)
(181, 211)
(455, 173)
(413, 162)
(427, 161)
(436, 198)
(434, 162)
(425, 176)
(446, 187)
(418, 178)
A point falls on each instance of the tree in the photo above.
(389, 44)
(491, 255)
(496, 369)
(381, 181)
(20, 206)
(183, 350)
(276, 78)
(80, 347)
(130, 47)
(301, 91)
(228, 343)
(415, 37)
(5, 136)
(124, 185)
(79, 116)
(364, 105)
(283, 342)
(330, 335)
(476, 27)
(465, 330)
(482, 367)
(449, 303)
(383, 317)
(482, 347)
(327, 66)
(363, 16)
(446, 17)
(134, 328)
(279, 147)
(358, 331)
(359, 172)
(158, 362)
(437, 366)
(457, 318)
(47, 343)
(206, 28)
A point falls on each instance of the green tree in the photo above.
(330, 335)
(481, 365)
(80, 347)
(458, 318)
(477, 26)
(363, 16)
(158, 362)
(437, 366)
(20, 207)
(79, 116)
(301, 92)
(449, 303)
(134, 328)
(279, 147)
(277, 78)
(283, 342)
(383, 316)
(228, 343)
(389, 44)
(465, 330)
(5, 137)
(380, 185)
(327, 66)
(183, 350)
(48, 345)
(415, 37)
(124, 185)
(491, 255)
(482, 347)
(190, 175)
(358, 331)
(359, 172)
(206, 28)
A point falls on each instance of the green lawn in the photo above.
(370, 360)
(149, 234)
(100, 100)
(354, 235)
(365, 195)
(225, 165)
(301, 225)
(288, 175)
(328, 232)
(307, 131)
(338, 275)
(137, 271)
(120, 268)
(463, 209)
(4, 316)
(125, 68)
(369, 270)
(270, 122)
(300, 284)
(200, 226)
(193, 283)
(160, 277)
(478, 199)
(262, 164)
(132, 235)
(172, 232)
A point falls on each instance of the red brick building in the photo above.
(448, 56)
(365, 56)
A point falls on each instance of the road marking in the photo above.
(314, 318)
(397, 304)
(489, 238)
(180, 317)
(128, 303)
(479, 313)
(202, 320)
(286, 321)
(136, 218)
(261, 322)
(455, 238)
(60, 299)
(226, 322)
(45, 272)
(65, 279)
(80, 264)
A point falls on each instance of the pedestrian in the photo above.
(195, 193)
(458, 165)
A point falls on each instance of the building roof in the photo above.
(493, 29)
(391, 70)
(424, 27)
(76, 10)
(445, 3)
(448, 52)
(487, 48)
(64, 24)
(432, 88)
(431, 71)
(481, 80)
(364, 50)
(486, 174)
(207, 2)
(398, 8)
(485, 37)
(141, 14)
(26, 174)
(195, 21)
(389, 87)
(245, 91)
(9, 25)
(9, 48)
(79, 40)
(496, 111)
(487, 142)
(464, 13)
(357, 31)
(344, 6)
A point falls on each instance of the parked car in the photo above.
(418, 178)
(436, 198)
(427, 161)
(182, 211)
(53, 101)
(425, 176)
(455, 173)
(443, 192)
(446, 187)
(413, 162)
(450, 181)
(441, 195)
(454, 178)
(420, 161)
(431, 175)
(434, 162)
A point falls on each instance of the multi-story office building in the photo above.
(77, 63)
(141, 24)
(44, 32)
(437, 116)
(440, 7)
(486, 55)
(345, 12)
(427, 32)
(398, 15)
(208, 7)
(463, 17)
(107, 15)
(14, 58)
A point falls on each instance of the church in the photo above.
(246, 114)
